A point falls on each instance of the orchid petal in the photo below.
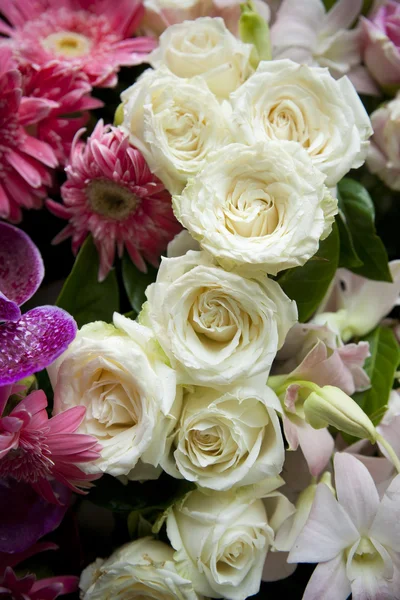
(21, 266)
(386, 525)
(328, 530)
(329, 581)
(341, 16)
(317, 446)
(33, 342)
(356, 491)
(9, 310)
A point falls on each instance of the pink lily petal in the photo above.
(360, 499)
(327, 532)
(21, 265)
(33, 342)
(329, 581)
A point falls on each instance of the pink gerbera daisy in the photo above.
(60, 95)
(93, 36)
(36, 449)
(24, 160)
(111, 193)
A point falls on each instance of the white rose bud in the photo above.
(264, 207)
(207, 48)
(229, 439)
(221, 539)
(141, 569)
(175, 123)
(216, 327)
(287, 101)
(118, 373)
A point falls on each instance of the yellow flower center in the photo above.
(67, 43)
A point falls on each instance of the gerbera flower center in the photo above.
(110, 199)
(67, 43)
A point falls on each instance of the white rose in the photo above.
(287, 101)
(117, 372)
(175, 123)
(216, 327)
(207, 48)
(225, 440)
(263, 206)
(142, 569)
(221, 539)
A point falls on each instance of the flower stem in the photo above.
(391, 453)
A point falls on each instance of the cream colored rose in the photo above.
(226, 440)
(264, 207)
(216, 327)
(221, 540)
(117, 372)
(287, 101)
(205, 47)
(175, 123)
(143, 569)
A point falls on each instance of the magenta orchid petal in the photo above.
(29, 516)
(360, 499)
(9, 310)
(327, 532)
(52, 587)
(21, 265)
(329, 581)
(33, 342)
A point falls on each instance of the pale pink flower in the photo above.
(383, 157)
(93, 36)
(111, 193)
(389, 427)
(24, 160)
(36, 449)
(355, 305)
(355, 539)
(306, 33)
(382, 43)
(60, 95)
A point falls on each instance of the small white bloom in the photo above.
(175, 123)
(118, 373)
(287, 101)
(141, 569)
(225, 440)
(263, 206)
(205, 47)
(216, 327)
(355, 539)
(222, 539)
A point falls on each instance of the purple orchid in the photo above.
(27, 587)
(32, 341)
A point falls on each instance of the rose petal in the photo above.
(33, 342)
(21, 266)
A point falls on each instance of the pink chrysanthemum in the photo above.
(24, 160)
(36, 449)
(111, 193)
(60, 96)
(93, 36)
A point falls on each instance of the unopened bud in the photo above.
(119, 115)
(331, 406)
(253, 29)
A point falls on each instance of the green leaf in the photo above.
(348, 256)
(380, 367)
(359, 214)
(150, 497)
(82, 295)
(136, 282)
(307, 285)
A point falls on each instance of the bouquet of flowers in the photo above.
(204, 393)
